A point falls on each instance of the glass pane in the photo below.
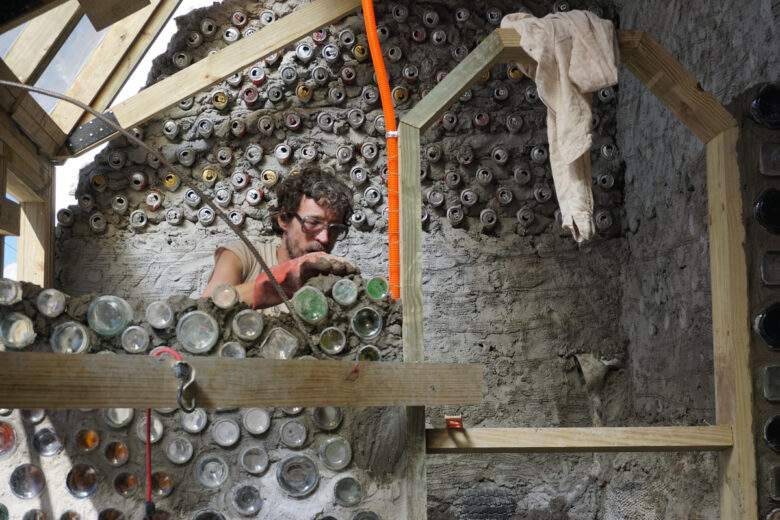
(9, 37)
(67, 63)
(9, 252)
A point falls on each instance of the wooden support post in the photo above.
(573, 440)
(204, 73)
(40, 40)
(9, 210)
(100, 65)
(731, 326)
(35, 253)
(411, 297)
(39, 380)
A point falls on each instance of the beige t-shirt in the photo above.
(250, 267)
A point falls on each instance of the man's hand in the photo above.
(293, 274)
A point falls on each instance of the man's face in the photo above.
(297, 240)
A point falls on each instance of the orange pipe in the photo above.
(393, 240)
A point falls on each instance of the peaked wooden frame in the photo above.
(665, 77)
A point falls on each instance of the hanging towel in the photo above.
(576, 53)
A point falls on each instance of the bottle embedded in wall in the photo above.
(765, 107)
(766, 210)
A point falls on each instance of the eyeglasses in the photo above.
(314, 225)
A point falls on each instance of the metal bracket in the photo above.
(90, 133)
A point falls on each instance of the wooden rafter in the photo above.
(101, 63)
(132, 57)
(211, 69)
(40, 380)
(101, 13)
(17, 12)
(40, 40)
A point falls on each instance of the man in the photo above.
(312, 212)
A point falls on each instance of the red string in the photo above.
(157, 352)
(148, 454)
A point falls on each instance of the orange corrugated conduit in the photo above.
(393, 240)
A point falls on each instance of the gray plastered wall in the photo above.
(524, 304)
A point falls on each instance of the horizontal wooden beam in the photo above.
(40, 40)
(98, 67)
(568, 440)
(103, 13)
(674, 86)
(10, 215)
(40, 380)
(211, 69)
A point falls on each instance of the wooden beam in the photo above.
(204, 73)
(571, 440)
(665, 77)
(132, 57)
(731, 329)
(27, 172)
(35, 252)
(9, 217)
(100, 65)
(411, 296)
(28, 117)
(19, 11)
(429, 108)
(103, 13)
(40, 40)
(41, 380)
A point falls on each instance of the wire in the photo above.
(217, 211)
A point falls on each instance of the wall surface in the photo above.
(523, 300)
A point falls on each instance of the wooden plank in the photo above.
(512, 51)
(665, 77)
(9, 217)
(570, 440)
(16, 13)
(731, 326)
(40, 40)
(103, 13)
(99, 66)
(200, 75)
(411, 296)
(41, 380)
(429, 108)
(31, 119)
(132, 57)
(35, 252)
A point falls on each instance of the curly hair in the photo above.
(327, 190)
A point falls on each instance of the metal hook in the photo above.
(186, 376)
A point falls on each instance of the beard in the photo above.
(295, 249)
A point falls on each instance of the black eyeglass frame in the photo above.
(313, 226)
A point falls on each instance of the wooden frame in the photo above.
(715, 127)
(40, 40)
(101, 13)
(204, 73)
(105, 58)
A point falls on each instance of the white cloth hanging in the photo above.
(576, 53)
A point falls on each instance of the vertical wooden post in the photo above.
(411, 297)
(35, 262)
(731, 327)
